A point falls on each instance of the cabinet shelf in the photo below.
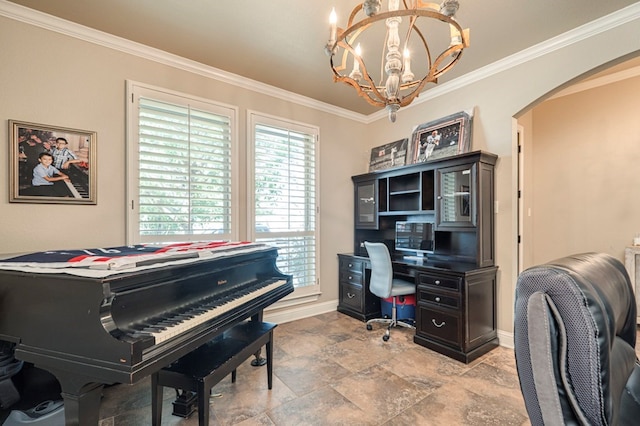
(411, 191)
(407, 212)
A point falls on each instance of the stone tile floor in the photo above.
(329, 370)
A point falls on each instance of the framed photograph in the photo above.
(441, 138)
(393, 154)
(50, 164)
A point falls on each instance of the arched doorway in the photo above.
(578, 167)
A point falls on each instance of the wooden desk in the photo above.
(455, 303)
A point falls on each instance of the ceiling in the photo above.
(281, 42)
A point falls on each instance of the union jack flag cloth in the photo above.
(89, 262)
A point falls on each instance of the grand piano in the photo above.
(103, 322)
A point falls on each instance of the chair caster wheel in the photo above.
(369, 327)
(385, 338)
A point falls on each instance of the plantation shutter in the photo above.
(285, 198)
(184, 182)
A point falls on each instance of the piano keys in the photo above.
(78, 184)
(72, 190)
(122, 327)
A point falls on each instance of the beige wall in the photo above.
(584, 179)
(54, 79)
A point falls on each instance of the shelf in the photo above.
(406, 212)
(404, 183)
(411, 191)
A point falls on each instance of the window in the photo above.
(180, 182)
(283, 200)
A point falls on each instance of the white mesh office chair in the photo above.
(383, 285)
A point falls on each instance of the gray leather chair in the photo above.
(575, 336)
(384, 285)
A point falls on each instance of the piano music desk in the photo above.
(203, 368)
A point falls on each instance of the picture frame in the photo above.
(34, 152)
(445, 137)
(392, 154)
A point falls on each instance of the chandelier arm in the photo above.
(359, 89)
(359, 27)
(424, 43)
(457, 49)
(354, 12)
(397, 13)
(363, 91)
(346, 45)
(417, 86)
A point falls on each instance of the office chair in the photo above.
(383, 285)
(575, 336)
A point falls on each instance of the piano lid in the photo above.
(103, 262)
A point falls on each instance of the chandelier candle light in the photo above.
(401, 86)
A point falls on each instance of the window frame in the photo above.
(310, 292)
(134, 91)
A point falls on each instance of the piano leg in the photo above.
(81, 398)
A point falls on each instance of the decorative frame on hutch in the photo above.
(445, 137)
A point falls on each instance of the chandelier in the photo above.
(405, 65)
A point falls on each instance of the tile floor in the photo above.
(329, 370)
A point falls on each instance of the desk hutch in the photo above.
(456, 285)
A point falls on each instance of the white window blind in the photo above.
(184, 180)
(285, 202)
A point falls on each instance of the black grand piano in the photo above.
(124, 326)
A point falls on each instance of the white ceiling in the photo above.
(280, 42)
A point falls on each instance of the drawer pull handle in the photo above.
(350, 277)
(351, 296)
(437, 299)
(438, 325)
(350, 265)
(437, 282)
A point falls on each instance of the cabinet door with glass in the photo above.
(366, 204)
(456, 196)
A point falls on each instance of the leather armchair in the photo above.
(575, 336)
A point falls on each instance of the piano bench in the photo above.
(202, 369)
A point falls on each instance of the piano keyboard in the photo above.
(73, 190)
(193, 316)
(78, 182)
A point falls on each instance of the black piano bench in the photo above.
(202, 369)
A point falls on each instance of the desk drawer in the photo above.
(351, 296)
(350, 264)
(425, 295)
(351, 277)
(437, 281)
(440, 325)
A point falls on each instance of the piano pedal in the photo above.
(258, 361)
(185, 404)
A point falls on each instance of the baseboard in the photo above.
(281, 316)
(293, 313)
(505, 339)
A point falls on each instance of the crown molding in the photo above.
(583, 32)
(62, 26)
(81, 32)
